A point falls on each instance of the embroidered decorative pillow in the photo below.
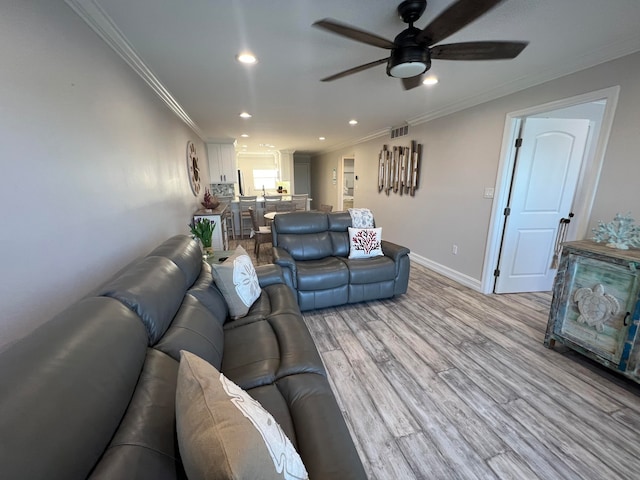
(237, 280)
(361, 218)
(224, 433)
(365, 242)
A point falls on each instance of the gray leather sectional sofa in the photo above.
(313, 250)
(91, 393)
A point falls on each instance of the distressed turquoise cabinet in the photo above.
(595, 308)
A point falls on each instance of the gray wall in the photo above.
(93, 164)
(461, 156)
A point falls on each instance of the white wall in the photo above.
(461, 155)
(93, 164)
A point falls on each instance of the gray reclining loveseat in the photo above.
(91, 393)
(313, 250)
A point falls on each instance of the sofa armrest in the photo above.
(284, 259)
(393, 250)
(269, 275)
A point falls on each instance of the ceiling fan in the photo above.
(413, 49)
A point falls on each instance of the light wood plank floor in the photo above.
(447, 383)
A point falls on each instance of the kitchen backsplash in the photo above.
(222, 189)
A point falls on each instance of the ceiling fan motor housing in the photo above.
(409, 58)
(411, 10)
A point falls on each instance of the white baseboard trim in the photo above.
(461, 278)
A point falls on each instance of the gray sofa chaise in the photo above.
(91, 393)
(313, 250)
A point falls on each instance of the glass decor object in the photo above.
(621, 233)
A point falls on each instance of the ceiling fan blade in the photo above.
(457, 16)
(412, 82)
(354, 70)
(478, 50)
(354, 33)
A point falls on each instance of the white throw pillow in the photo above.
(361, 218)
(365, 242)
(237, 280)
(223, 433)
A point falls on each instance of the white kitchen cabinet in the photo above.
(222, 162)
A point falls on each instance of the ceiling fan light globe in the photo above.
(408, 61)
(408, 69)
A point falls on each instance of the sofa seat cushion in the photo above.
(265, 346)
(370, 270)
(260, 352)
(274, 300)
(329, 272)
(322, 437)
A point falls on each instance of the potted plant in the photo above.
(210, 201)
(202, 229)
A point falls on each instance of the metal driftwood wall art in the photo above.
(399, 169)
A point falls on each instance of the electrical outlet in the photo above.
(454, 249)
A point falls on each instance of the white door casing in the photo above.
(545, 180)
(588, 182)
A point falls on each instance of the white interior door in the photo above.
(544, 184)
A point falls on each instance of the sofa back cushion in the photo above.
(304, 235)
(153, 288)
(339, 223)
(194, 329)
(185, 252)
(65, 388)
(144, 447)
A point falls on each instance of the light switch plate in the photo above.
(488, 192)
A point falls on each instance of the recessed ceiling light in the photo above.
(353, 122)
(245, 115)
(430, 81)
(321, 138)
(244, 135)
(247, 58)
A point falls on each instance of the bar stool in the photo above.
(325, 208)
(284, 206)
(299, 201)
(245, 203)
(228, 217)
(261, 234)
(271, 202)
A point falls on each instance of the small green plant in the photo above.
(202, 229)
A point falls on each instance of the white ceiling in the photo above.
(186, 50)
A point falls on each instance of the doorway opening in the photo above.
(346, 184)
(598, 108)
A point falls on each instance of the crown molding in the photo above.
(101, 23)
(351, 143)
(605, 54)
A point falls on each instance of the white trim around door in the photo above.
(589, 180)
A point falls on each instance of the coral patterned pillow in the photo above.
(365, 242)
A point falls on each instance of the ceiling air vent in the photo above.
(400, 131)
